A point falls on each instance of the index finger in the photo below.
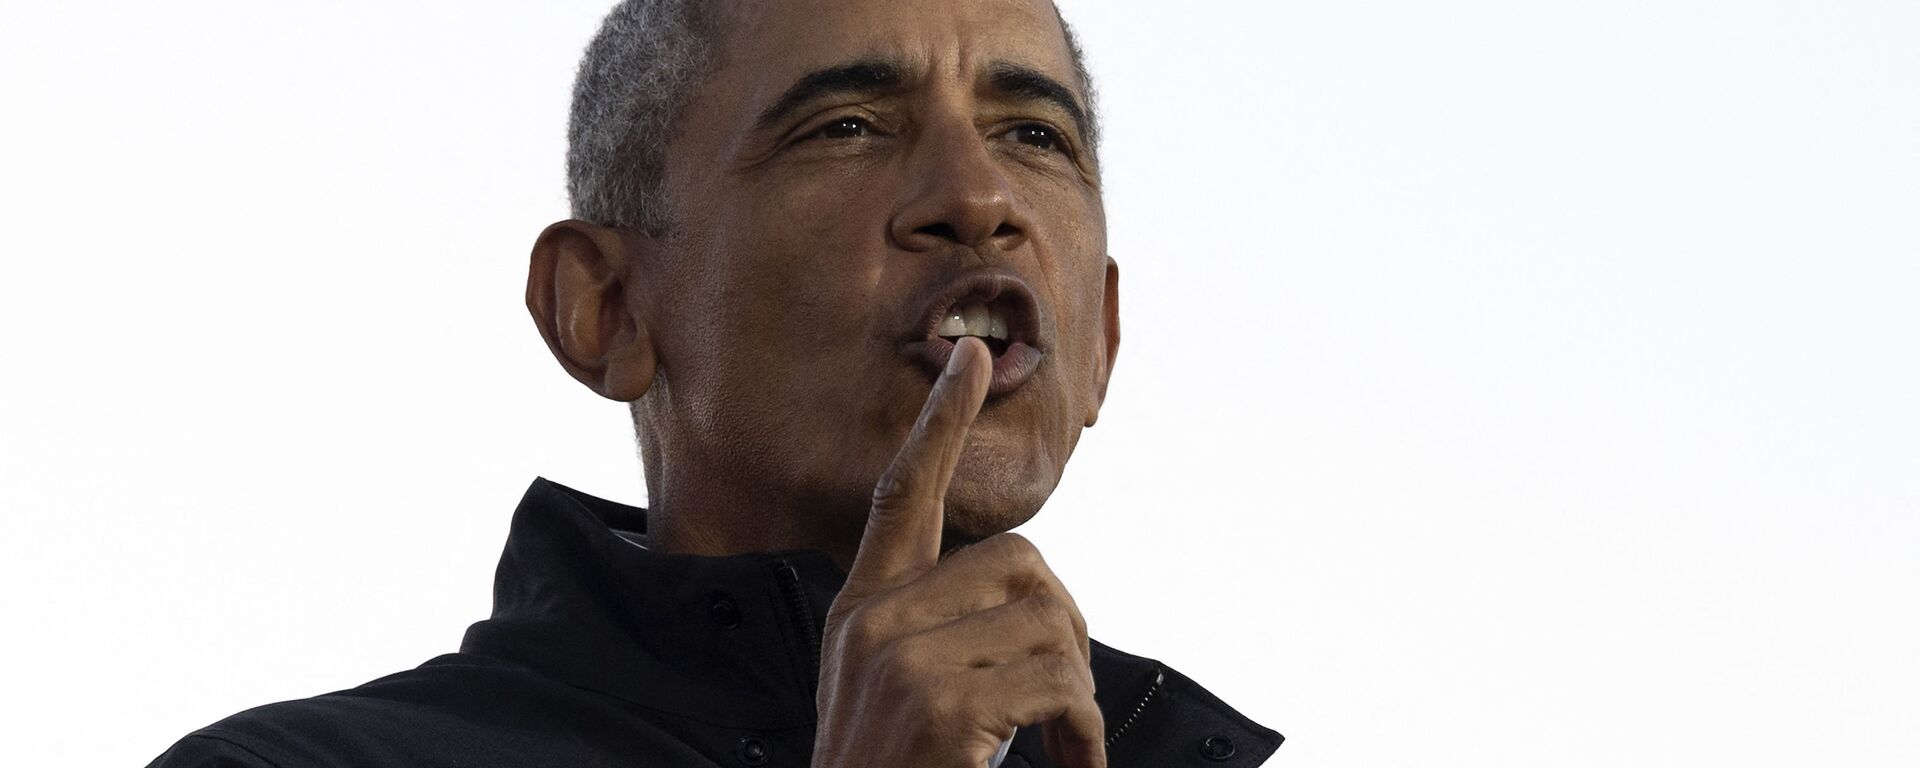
(902, 537)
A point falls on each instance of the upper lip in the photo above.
(1000, 290)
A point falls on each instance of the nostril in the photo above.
(936, 234)
(942, 230)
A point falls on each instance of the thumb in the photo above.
(902, 538)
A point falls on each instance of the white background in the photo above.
(1504, 384)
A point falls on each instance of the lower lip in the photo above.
(1011, 368)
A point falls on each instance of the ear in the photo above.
(1110, 350)
(585, 293)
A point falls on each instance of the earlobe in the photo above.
(1109, 349)
(584, 293)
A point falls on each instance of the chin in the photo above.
(990, 496)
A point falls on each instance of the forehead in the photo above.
(771, 42)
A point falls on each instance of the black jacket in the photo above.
(602, 653)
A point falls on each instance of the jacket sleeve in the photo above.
(203, 750)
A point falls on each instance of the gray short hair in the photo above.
(636, 77)
(634, 81)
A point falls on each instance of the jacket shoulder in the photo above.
(208, 748)
(457, 709)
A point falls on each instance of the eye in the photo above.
(844, 128)
(1038, 135)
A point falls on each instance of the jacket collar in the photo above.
(734, 641)
(723, 640)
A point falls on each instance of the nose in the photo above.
(957, 195)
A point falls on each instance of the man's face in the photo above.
(854, 173)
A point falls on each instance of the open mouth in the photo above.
(981, 320)
(994, 306)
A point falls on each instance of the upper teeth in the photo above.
(973, 320)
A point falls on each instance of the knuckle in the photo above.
(1071, 611)
(895, 489)
(1026, 571)
(1014, 553)
(909, 660)
(862, 630)
(1018, 546)
(1045, 610)
(1057, 673)
(1028, 556)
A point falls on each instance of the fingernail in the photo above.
(953, 360)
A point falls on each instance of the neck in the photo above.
(728, 516)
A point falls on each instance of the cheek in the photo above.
(818, 203)
(821, 241)
(792, 319)
(798, 255)
(1080, 312)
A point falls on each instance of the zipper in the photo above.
(796, 592)
(1153, 691)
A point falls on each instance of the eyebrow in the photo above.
(865, 76)
(878, 75)
(1022, 82)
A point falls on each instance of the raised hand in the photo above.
(931, 662)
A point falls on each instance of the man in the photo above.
(847, 262)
